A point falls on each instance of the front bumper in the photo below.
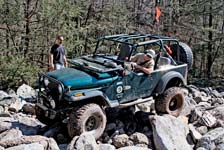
(43, 111)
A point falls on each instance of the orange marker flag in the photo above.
(158, 13)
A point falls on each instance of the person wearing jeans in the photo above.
(58, 58)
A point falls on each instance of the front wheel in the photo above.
(87, 118)
(171, 102)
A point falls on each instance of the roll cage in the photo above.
(131, 40)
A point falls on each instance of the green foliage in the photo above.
(16, 70)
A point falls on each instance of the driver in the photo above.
(144, 61)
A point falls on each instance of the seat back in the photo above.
(164, 61)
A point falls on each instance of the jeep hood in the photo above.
(77, 79)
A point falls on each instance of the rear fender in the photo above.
(167, 78)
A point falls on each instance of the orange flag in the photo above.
(158, 13)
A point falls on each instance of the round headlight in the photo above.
(46, 81)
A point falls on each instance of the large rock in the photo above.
(216, 94)
(32, 146)
(28, 125)
(194, 133)
(10, 135)
(133, 148)
(29, 108)
(1, 109)
(106, 147)
(169, 133)
(3, 95)
(47, 143)
(83, 142)
(7, 101)
(189, 105)
(26, 92)
(17, 105)
(208, 119)
(211, 139)
(139, 138)
(121, 141)
(218, 112)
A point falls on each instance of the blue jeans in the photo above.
(58, 66)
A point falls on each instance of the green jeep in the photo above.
(78, 95)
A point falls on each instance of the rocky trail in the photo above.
(200, 126)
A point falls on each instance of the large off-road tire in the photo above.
(171, 102)
(186, 54)
(87, 118)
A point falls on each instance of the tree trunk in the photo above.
(210, 35)
(27, 27)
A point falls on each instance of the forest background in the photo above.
(28, 28)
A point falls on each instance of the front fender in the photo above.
(86, 95)
(165, 80)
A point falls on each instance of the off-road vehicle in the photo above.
(78, 95)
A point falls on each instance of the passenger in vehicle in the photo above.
(144, 62)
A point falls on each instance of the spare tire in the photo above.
(186, 55)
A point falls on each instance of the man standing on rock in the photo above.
(58, 58)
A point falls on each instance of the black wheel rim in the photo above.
(173, 104)
(91, 123)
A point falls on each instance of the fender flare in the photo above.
(94, 94)
(165, 80)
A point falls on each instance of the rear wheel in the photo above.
(87, 118)
(171, 102)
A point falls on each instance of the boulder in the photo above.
(63, 146)
(32, 146)
(28, 125)
(189, 105)
(17, 105)
(7, 101)
(83, 142)
(139, 138)
(121, 141)
(218, 112)
(215, 93)
(169, 133)
(12, 93)
(133, 148)
(202, 129)
(26, 92)
(208, 119)
(5, 126)
(195, 115)
(29, 108)
(47, 143)
(2, 109)
(146, 107)
(217, 101)
(106, 147)
(194, 133)
(222, 93)
(10, 135)
(3, 95)
(211, 139)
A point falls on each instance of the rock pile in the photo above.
(200, 126)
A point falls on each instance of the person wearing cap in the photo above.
(144, 61)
